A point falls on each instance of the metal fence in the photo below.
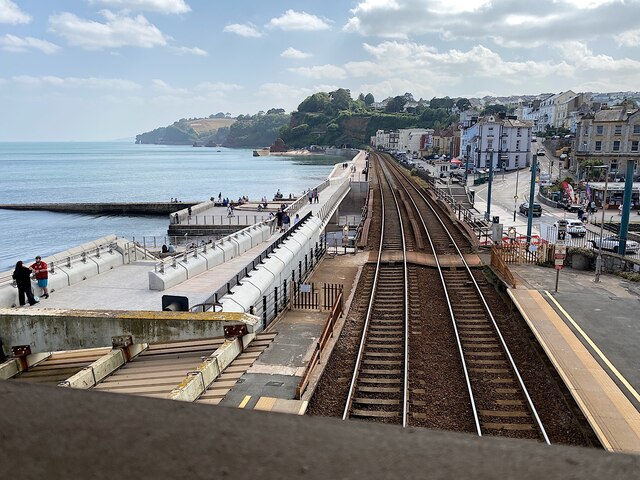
(590, 240)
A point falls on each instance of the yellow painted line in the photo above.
(602, 356)
(244, 401)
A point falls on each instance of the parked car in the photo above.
(612, 243)
(540, 152)
(534, 139)
(537, 209)
(575, 228)
(570, 207)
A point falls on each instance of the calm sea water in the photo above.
(121, 172)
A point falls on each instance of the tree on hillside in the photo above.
(219, 115)
(396, 104)
(463, 104)
(368, 99)
(446, 103)
(340, 99)
(318, 102)
(361, 97)
(494, 109)
(275, 110)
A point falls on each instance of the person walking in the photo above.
(296, 219)
(310, 196)
(285, 221)
(316, 198)
(42, 275)
(22, 277)
(279, 215)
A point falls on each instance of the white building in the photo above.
(387, 139)
(506, 141)
(409, 139)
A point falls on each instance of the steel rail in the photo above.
(505, 348)
(370, 308)
(406, 305)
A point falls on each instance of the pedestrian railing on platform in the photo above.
(224, 220)
(68, 261)
(326, 334)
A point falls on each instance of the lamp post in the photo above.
(487, 215)
(604, 199)
(515, 197)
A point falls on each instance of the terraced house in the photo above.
(609, 137)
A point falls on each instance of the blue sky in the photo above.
(108, 69)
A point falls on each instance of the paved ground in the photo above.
(278, 371)
(608, 313)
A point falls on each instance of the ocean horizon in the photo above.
(118, 171)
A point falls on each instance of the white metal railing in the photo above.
(223, 220)
(198, 249)
(66, 261)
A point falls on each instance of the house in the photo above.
(503, 141)
(609, 137)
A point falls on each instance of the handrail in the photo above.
(327, 332)
(66, 261)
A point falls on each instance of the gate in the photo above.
(309, 296)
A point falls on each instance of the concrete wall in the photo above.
(52, 330)
(125, 208)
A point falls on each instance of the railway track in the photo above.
(379, 385)
(498, 398)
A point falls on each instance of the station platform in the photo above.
(271, 382)
(590, 332)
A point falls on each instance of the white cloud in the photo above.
(164, 88)
(162, 6)
(320, 71)
(630, 38)
(509, 23)
(294, 54)
(189, 51)
(292, 20)
(244, 30)
(75, 82)
(10, 13)
(119, 30)
(289, 96)
(11, 43)
(218, 86)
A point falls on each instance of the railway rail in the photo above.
(379, 385)
(499, 400)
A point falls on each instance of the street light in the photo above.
(487, 215)
(515, 197)
(604, 199)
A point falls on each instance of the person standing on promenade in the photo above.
(42, 275)
(285, 221)
(22, 278)
(296, 219)
(315, 195)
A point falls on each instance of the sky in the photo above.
(84, 70)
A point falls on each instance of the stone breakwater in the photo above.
(124, 208)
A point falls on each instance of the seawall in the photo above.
(124, 208)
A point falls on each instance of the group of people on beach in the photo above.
(22, 279)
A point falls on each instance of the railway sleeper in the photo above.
(370, 371)
(376, 401)
(394, 363)
(507, 426)
(505, 413)
(381, 381)
(378, 389)
(374, 413)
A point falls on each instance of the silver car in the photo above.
(613, 243)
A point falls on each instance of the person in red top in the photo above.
(42, 275)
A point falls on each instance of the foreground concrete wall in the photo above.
(51, 330)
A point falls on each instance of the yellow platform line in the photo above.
(244, 401)
(600, 354)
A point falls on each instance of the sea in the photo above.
(69, 172)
